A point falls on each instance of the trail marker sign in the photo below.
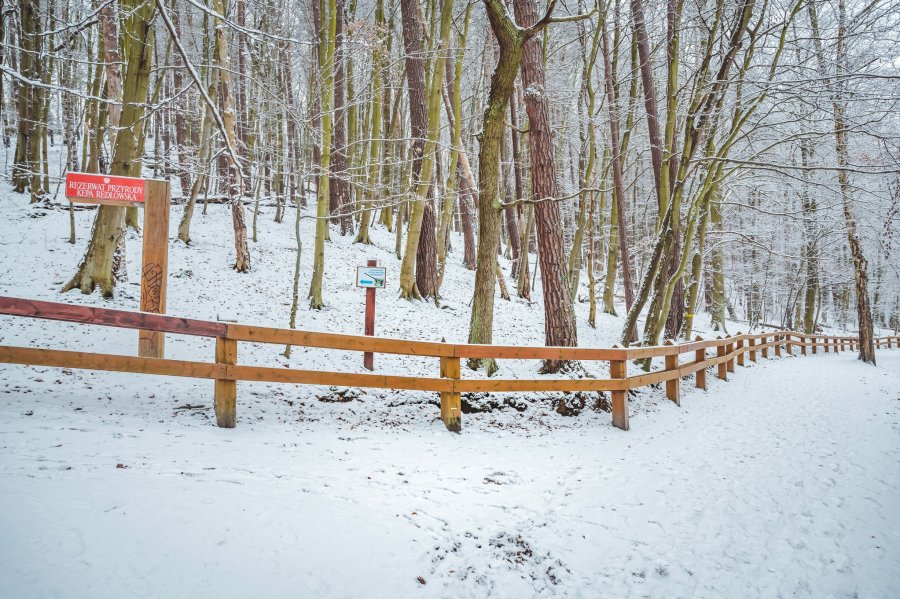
(371, 277)
(153, 195)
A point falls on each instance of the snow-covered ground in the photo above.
(782, 482)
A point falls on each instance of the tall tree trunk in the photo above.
(452, 193)
(841, 135)
(511, 39)
(423, 156)
(523, 277)
(810, 250)
(241, 87)
(326, 103)
(718, 269)
(413, 37)
(235, 178)
(559, 314)
(339, 186)
(96, 267)
(650, 105)
(510, 215)
(25, 160)
(375, 144)
(617, 162)
(181, 107)
(841, 140)
(467, 202)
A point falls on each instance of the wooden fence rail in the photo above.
(721, 353)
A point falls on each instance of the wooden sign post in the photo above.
(370, 277)
(154, 195)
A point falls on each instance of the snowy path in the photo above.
(783, 482)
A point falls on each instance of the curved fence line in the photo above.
(728, 352)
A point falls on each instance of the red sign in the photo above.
(104, 189)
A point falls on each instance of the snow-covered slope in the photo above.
(783, 481)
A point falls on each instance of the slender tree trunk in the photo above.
(326, 102)
(718, 269)
(467, 216)
(235, 178)
(841, 137)
(841, 134)
(523, 276)
(616, 161)
(339, 185)
(650, 104)
(378, 65)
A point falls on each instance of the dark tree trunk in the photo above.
(413, 37)
(509, 213)
(523, 276)
(650, 105)
(559, 315)
(426, 254)
(618, 179)
(339, 190)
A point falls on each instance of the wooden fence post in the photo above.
(673, 386)
(787, 343)
(722, 368)
(618, 369)
(154, 264)
(740, 351)
(778, 339)
(803, 341)
(729, 347)
(451, 402)
(700, 374)
(752, 343)
(815, 344)
(764, 350)
(225, 392)
(827, 343)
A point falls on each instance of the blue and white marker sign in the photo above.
(371, 277)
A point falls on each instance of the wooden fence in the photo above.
(722, 353)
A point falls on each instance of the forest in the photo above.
(666, 161)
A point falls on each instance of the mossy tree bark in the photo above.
(511, 39)
(326, 103)
(96, 266)
(425, 100)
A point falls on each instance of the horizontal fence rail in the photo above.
(721, 353)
